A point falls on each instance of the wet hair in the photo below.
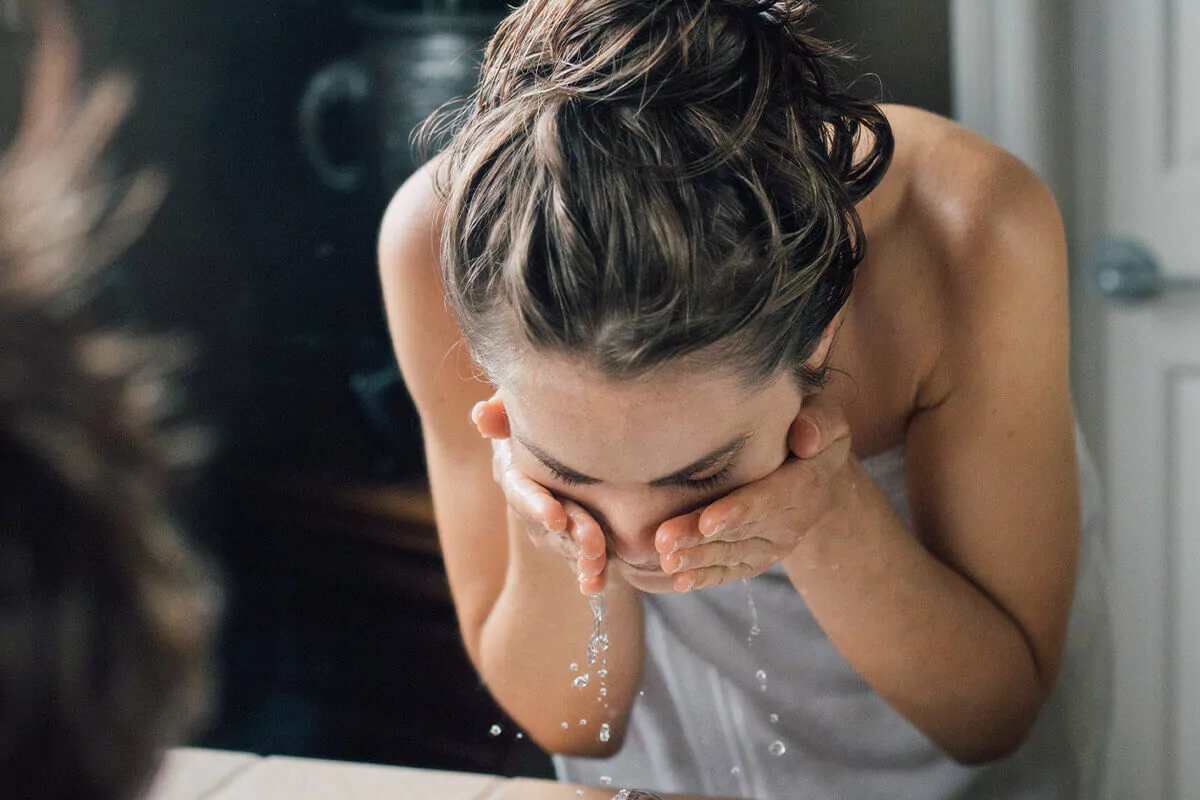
(106, 614)
(635, 181)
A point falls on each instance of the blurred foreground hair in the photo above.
(105, 614)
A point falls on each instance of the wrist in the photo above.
(846, 520)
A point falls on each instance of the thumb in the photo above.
(491, 418)
(821, 422)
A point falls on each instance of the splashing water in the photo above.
(735, 771)
(598, 643)
(582, 681)
(761, 675)
(574, 667)
(520, 735)
(565, 725)
(754, 629)
(605, 780)
(777, 748)
(598, 652)
(583, 721)
(774, 719)
(495, 730)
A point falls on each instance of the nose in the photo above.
(630, 530)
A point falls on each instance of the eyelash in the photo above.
(711, 482)
(698, 484)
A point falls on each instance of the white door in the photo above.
(1137, 139)
(1102, 97)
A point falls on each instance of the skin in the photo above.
(954, 342)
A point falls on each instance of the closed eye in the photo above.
(693, 484)
(707, 482)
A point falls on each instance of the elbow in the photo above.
(579, 741)
(984, 751)
(999, 737)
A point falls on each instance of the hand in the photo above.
(746, 532)
(559, 526)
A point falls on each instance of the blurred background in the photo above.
(283, 125)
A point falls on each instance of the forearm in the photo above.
(924, 637)
(539, 626)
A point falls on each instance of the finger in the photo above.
(590, 585)
(51, 93)
(756, 552)
(532, 501)
(585, 531)
(590, 549)
(796, 488)
(491, 418)
(678, 532)
(819, 425)
(709, 577)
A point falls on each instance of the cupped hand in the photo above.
(746, 532)
(553, 524)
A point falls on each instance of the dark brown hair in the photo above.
(638, 180)
(106, 615)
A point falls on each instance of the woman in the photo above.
(722, 322)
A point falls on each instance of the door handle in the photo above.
(1127, 273)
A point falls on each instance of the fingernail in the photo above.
(660, 542)
(717, 529)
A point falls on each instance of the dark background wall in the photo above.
(332, 646)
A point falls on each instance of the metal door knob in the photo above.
(1126, 273)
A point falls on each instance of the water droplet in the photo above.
(583, 722)
(581, 681)
(754, 629)
(641, 694)
(603, 673)
(495, 730)
(605, 732)
(762, 680)
(605, 780)
(574, 667)
(520, 735)
(774, 719)
(598, 643)
(579, 792)
(565, 726)
(777, 748)
(735, 771)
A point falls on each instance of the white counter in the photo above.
(196, 774)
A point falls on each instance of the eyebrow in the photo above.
(676, 478)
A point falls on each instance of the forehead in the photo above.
(633, 431)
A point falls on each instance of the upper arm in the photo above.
(993, 478)
(444, 383)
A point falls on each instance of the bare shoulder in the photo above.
(970, 198)
(993, 236)
(429, 346)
